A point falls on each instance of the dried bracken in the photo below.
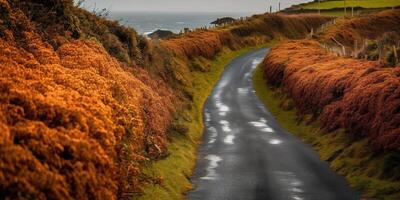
(363, 97)
(85, 101)
(256, 30)
(74, 122)
(360, 28)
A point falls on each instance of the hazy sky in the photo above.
(248, 6)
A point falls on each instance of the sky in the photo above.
(247, 6)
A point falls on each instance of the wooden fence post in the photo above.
(344, 50)
(355, 49)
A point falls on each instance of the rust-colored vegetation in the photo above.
(196, 46)
(84, 102)
(74, 122)
(370, 36)
(365, 27)
(363, 97)
(257, 30)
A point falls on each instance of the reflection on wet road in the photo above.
(247, 155)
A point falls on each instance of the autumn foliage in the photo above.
(84, 102)
(362, 97)
(207, 44)
(256, 30)
(360, 28)
(75, 123)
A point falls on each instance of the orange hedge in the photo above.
(363, 97)
(74, 122)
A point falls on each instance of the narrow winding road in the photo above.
(247, 155)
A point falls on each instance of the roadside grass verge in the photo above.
(174, 171)
(364, 169)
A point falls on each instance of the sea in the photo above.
(147, 22)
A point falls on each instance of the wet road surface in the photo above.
(245, 153)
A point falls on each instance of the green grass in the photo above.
(352, 159)
(175, 171)
(355, 3)
(336, 8)
(340, 12)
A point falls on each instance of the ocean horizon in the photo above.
(147, 22)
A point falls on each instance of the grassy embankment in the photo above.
(173, 172)
(336, 8)
(177, 168)
(363, 167)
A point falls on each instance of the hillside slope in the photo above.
(74, 121)
(356, 102)
(360, 96)
(85, 102)
(373, 37)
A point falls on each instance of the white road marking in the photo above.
(258, 124)
(207, 117)
(225, 126)
(243, 90)
(222, 114)
(229, 139)
(255, 63)
(267, 130)
(224, 122)
(291, 184)
(222, 84)
(213, 136)
(226, 129)
(223, 109)
(211, 172)
(262, 125)
(275, 141)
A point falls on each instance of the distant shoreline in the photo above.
(148, 22)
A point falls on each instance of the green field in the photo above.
(325, 5)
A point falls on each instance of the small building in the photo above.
(223, 21)
(161, 34)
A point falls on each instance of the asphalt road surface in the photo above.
(245, 153)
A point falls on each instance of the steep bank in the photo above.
(75, 122)
(86, 103)
(370, 172)
(360, 96)
(348, 31)
(373, 37)
(355, 101)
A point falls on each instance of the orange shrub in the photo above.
(256, 30)
(360, 96)
(75, 123)
(199, 43)
(362, 27)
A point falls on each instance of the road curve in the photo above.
(245, 153)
